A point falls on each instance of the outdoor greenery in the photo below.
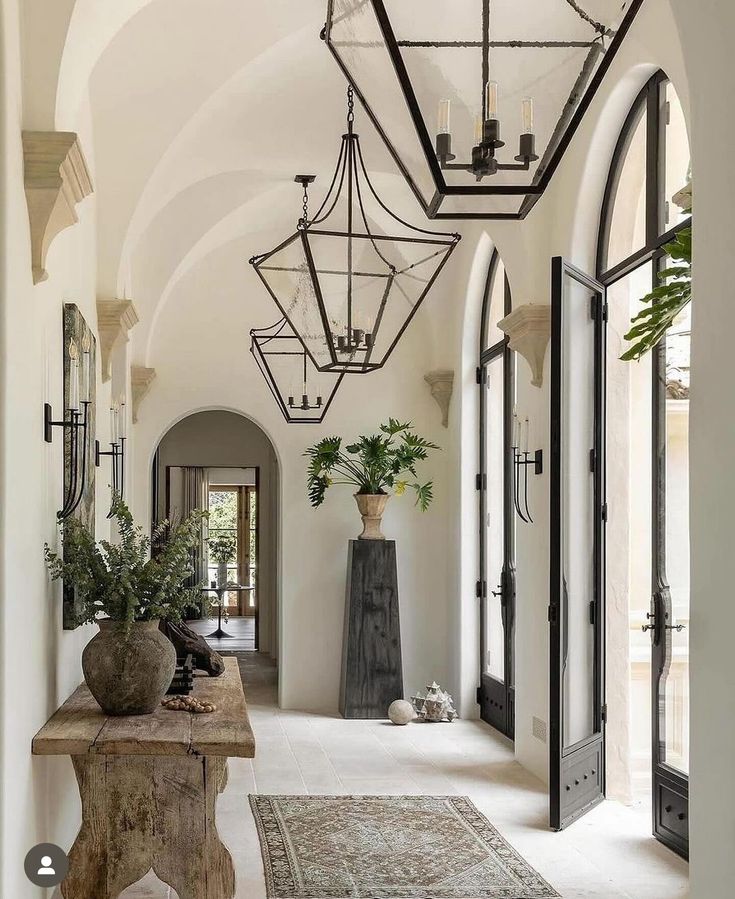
(664, 303)
(121, 580)
(374, 465)
(222, 548)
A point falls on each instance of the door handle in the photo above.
(652, 625)
(498, 592)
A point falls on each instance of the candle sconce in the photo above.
(118, 423)
(522, 461)
(75, 422)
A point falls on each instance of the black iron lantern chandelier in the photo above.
(419, 68)
(302, 393)
(346, 285)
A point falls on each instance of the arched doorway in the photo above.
(224, 462)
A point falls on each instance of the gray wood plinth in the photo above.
(372, 674)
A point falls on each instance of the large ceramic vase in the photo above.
(372, 507)
(129, 668)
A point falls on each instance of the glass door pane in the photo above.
(578, 512)
(675, 751)
(494, 523)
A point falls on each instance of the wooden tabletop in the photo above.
(80, 726)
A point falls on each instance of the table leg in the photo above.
(143, 812)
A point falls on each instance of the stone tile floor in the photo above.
(609, 853)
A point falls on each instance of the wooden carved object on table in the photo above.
(187, 642)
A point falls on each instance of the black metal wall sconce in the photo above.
(75, 426)
(522, 461)
(118, 436)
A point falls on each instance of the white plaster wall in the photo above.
(706, 30)
(40, 663)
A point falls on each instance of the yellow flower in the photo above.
(401, 487)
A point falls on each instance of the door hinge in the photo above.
(480, 589)
(478, 375)
(605, 312)
(478, 482)
(604, 512)
(593, 611)
(603, 713)
(593, 308)
(552, 615)
(478, 696)
(593, 460)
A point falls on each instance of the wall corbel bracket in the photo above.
(141, 379)
(56, 179)
(529, 331)
(442, 385)
(115, 318)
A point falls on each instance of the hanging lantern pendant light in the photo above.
(349, 290)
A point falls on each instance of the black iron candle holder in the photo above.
(76, 426)
(521, 463)
(117, 456)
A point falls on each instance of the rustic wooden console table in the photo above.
(149, 785)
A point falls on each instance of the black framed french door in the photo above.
(669, 647)
(496, 588)
(577, 550)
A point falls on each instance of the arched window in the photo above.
(643, 208)
(496, 586)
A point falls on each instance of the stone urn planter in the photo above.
(372, 507)
(128, 669)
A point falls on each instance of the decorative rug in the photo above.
(387, 847)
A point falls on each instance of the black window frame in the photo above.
(670, 786)
(495, 698)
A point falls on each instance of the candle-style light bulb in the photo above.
(525, 440)
(123, 418)
(491, 100)
(478, 130)
(86, 367)
(527, 115)
(73, 376)
(443, 117)
(113, 422)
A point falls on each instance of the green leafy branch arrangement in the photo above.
(374, 465)
(222, 548)
(121, 580)
(666, 301)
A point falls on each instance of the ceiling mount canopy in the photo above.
(345, 281)
(303, 394)
(476, 100)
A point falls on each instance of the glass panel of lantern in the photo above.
(303, 393)
(432, 77)
(350, 280)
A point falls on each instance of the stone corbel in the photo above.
(114, 319)
(56, 179)
(529, 331)
(141, 379)
(442, 385)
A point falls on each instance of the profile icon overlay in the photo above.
(46, 865)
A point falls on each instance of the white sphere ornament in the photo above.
(401, 711)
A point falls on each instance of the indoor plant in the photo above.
(223, 549)
(129, 665)
(375, 465)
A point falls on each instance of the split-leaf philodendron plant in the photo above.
(666, 301)
(377, 464)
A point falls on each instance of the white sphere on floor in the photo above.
(401, 711)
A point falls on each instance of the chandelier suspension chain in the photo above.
(598, 26)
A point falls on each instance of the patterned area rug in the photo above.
(387, 847)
